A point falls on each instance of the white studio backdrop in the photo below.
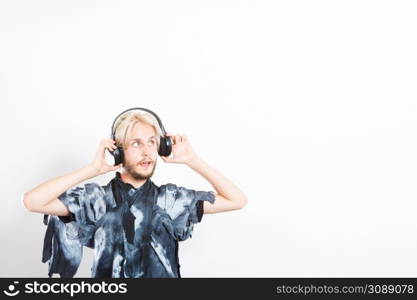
(308, 106)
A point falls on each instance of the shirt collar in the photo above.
(127, 187)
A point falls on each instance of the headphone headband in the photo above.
(138, 108)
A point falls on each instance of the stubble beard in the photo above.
(130, 169)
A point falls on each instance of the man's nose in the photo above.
(146, 150)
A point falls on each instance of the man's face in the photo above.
(141, 152)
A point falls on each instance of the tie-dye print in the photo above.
(136, 237)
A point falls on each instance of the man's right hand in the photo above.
(99, 164)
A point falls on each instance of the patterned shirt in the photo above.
(134, 232)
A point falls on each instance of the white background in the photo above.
(308, 106)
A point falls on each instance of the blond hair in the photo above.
(126, 122)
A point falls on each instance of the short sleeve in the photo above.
(86, 205)
(184, 206)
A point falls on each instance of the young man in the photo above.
(133, 225)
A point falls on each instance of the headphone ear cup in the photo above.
(165, 146)
(118, 155)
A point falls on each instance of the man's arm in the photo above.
(44, 197)
(229, 196)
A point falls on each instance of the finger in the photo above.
(177, 139)
(116, 167)
(107, 143)
(110, 145)
(173, 138)
(166, 158)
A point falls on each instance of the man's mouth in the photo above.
(145, 164)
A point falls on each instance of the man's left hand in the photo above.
(182, 152)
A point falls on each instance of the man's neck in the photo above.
(129, 179)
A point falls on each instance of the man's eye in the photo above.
(152, 142)
(135, 144)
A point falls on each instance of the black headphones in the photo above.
(165, 145)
